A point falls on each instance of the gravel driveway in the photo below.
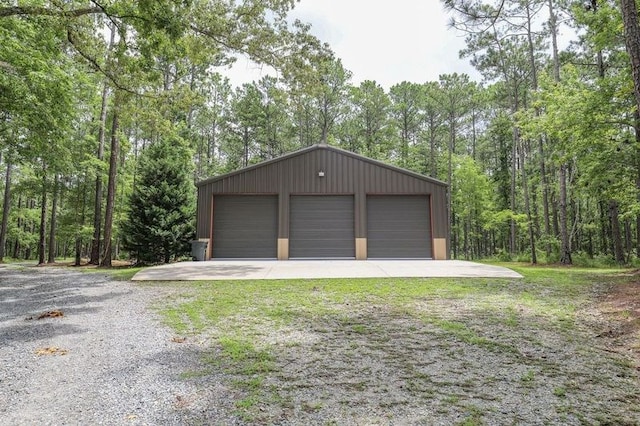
(106, 361)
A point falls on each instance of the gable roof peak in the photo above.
(324, 146)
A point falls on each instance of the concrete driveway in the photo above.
(292, 269)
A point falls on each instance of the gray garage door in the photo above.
(245, 226)
(322, 226)
(398, 226)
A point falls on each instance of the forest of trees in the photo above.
(542, 155)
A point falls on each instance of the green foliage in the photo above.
(162, 206)
(472, 192)
(365, 129)
(169, 78)
(583, 260)
(406, 117)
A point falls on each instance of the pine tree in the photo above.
(162, 206)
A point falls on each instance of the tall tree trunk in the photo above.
(534, 85)
(432, 147)
(531, 49)
(245, 143)
(604, 223)
(324, 134)
(452, 144)
(632, 42)
(465, 237)
(29, 226)
(42, 242)
(553, 29)
(636, 129)
(638, 197)
(565, 243)
(565, 249)
(616, 234)
(554, 211)
(628, 239)
(16, 244)
(474, 131)
(97, 213)
(454, 236)
(565, 246)
(94, 257)
(5, 210)
(545, 197)
(527, 207)
(111, 187)
(78, 245)
(52, 226)
(512, 202)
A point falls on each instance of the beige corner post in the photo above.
(440, 248)
(283, 249)
(209, 252)
(361, 249)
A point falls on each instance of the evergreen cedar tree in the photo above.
(162, 206)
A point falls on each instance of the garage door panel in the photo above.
(322, 226)
(391, 227)
(245, 226)
(310, 237)
(249, 244)
(407, 245)
(398, 226)
(405, 238)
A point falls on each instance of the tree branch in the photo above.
(43, 11)
(95, 65)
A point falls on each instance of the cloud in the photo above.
(389, 42)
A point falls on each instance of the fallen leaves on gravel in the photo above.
(181, 402)
(177, 339)
(51, 314)
(51, 350)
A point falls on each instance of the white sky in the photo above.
(385, 41)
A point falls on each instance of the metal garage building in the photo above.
(323, 202)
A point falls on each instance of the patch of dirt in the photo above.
(51, 350)
(621, 306)
(378, 365)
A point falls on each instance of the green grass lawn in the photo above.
(458, 351)
(550, 293)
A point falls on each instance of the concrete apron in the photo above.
(308, 269)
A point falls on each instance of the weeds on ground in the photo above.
(445, 342)
(123, 273)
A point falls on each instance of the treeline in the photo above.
(542, 157)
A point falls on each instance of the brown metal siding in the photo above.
(344, 174)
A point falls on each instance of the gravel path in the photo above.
(115, 364)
